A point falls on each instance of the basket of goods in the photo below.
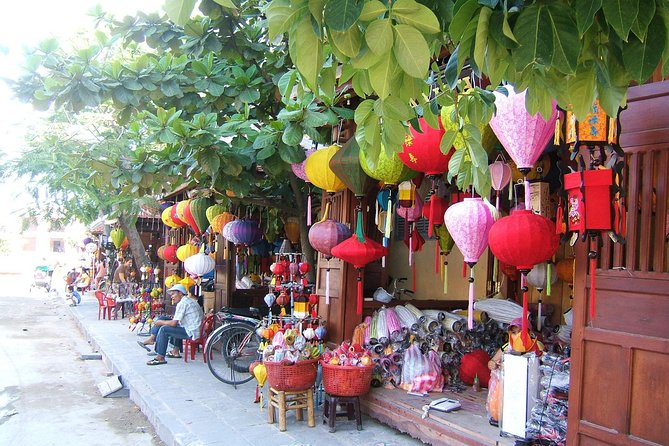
(347, 371)
(291, 362)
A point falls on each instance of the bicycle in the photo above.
(232, 347)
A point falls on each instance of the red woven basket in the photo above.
(289, 377)
(346, 380)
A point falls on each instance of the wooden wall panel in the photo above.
(642, 314)
(649, 414)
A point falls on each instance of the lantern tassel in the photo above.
(497, 201)
(410, 250)
(309, 209)
(511, 183)
(470, 308)
(413, 276)
(539, 314)
(376, 212)
(559, 223)
(436, 257)
(327, 286)
(464, 269)
(358, 308)
(389, 216)
(548, 279)
(495, 268)
(445, 276)
(528, 202)
(433, 200)
(524, 334)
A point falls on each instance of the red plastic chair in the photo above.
(191, 345)
(111, 306)
(102, 304)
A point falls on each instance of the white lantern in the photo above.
(199, 264)
(91, 247)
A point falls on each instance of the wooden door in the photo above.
(620, 359)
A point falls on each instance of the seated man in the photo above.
(184, 325)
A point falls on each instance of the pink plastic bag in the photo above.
(420, 373)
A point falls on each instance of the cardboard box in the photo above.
(540, 199)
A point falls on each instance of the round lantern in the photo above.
(166, 217)
(359, 252)
(185, 251)
(117, 236)
(219, 221)
(523, 239)
(91, 247)
(434, 209)
(422, 151)
(214, 210)
(172, 280)
(542, 276)
(170, 253)
(523, 136)
(199, 264)
(198, 209)
(243, 232)
(389, 168)
(414, 212)
(299, 168)
(86, 241)
(292, 229)
(445, 245)
(190, 219)
(160, 252)
(187, 282)
(318, 170)
(325, 235)
(469, 223)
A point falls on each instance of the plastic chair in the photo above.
(111, 305)
(102, 304)
(191, 345)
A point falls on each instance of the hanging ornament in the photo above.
(174, 214)
(523, 136)
(541, 276)
(318, 170)
(166, 217)
(445, 245)
(422, 151)
(325, 235)
(185, 251)
(198, 210)
(292, 229)
(170, 253)
(214, 210)
(242, 232)
(523, 239)
(469, 223)
(345, 163)
(500, 175)
(117, 236)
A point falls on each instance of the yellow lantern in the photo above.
(213, 211)
(292, 228)
(187, 282)
(317, 168)
(180, 209)
(185, 251)
(172, 280)
(220, 220)
(166, 217)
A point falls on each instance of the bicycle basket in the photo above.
(289, 377)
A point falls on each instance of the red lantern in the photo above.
(523, 239)
(304, 267)
(422, 152)
(590, 210)
(170, 253)
(177, 221)
(509, 271)
(433, 210)
(359, 252)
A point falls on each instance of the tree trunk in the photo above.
(134, 242)
(307, 249)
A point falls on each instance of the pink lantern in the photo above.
(412, 215)
(298, 168)
(469, 223)
(324, 236)
(500, 174)
(523, 136)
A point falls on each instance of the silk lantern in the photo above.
(213, 211)
(565, 270)
(180, 212)
(359, 251)
(198, 209)
(500, 175)
(411, 215)
(523, 239)
(523, 136)
(219, 221)
(160, 252)
(469, 223)
(198, 265)
(175, 217)
(319, 172)
(170, 253)
(345, 163)
(292, 229)
(117, 236)
(445, 244)
(422, 151)
(185, 251)
(172, 280)
(190, 219)
(166, 217)
(542, 276)
(242, 232)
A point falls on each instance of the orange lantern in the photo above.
(292, 229)
(220, 220)
(565, 270)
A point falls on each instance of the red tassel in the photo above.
(464, 269)
(593, 267)
(559, 223)
(524, 335)
(257, 400)
(433, 204)
(358, 309)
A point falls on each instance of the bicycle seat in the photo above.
(246, 312)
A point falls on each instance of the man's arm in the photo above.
(170, 323)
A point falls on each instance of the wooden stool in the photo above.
(285, 401)
(352, 405)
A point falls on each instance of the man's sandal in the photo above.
(155, 361)
(170, 355)
(144, 346)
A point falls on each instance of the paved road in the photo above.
(48, 395)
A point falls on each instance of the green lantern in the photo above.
(117, 236)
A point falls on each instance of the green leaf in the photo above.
(477, 154)
(646, 13)
(411, 50)
(179, 11)
(455, 162)
(340, 15)
(482, 36)
(447, 141)
(395, 108)
(365, 59)
(585, 13)
(566, 44)
(379, 36)
(451, 72)
(315, 119)
(413, 13)
(281, 16)
(536, 45)
(226, 4)
(463, 11)
(393, 133)
(348, 42)
(381, 75)
(210, 161)
(265, 153)
(265, 140)
(506, 28)
(364, 111)
(372, 9)
(621, 14)
(292, 154)
(307, 52)
(316, 9)
(641, 58)
(293, 134)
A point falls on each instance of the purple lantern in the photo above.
(523, 136)
(242, 232)
(324, 236)
(469, 223)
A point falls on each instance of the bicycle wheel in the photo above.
(230, 351)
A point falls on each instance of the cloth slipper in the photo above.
(144, 346)
(155, 361)
(170, 355)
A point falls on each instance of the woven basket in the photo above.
(345, 380)
(289, 377)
